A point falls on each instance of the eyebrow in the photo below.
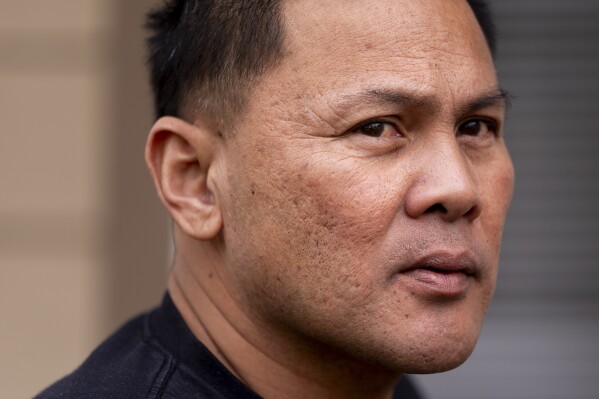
(428, 103)
(495, 98)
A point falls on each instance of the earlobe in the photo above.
(181, 158)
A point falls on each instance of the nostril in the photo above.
(436, 208)
(454, 212)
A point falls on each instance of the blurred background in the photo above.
(84, 240)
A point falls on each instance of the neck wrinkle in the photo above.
(240, 345)
(196, 324)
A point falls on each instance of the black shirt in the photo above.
(156, 356)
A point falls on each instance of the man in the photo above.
(338, 182)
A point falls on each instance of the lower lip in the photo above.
(441, 284)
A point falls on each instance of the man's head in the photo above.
(358, 208)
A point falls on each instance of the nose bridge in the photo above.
(445, 183)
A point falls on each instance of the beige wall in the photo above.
(82, 235)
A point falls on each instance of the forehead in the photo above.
(414, 27)
(428, 46)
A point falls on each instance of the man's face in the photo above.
(367, 184)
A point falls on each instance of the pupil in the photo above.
(471, 128)
(374, 129)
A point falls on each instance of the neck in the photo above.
(271, 362)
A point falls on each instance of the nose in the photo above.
(444, 185)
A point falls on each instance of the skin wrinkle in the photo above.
(374, 95)
(209, 336)
(330, 116)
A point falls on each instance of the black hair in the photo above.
(214, 50)
(484, 16)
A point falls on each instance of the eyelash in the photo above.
(372, 122)
(492, 126)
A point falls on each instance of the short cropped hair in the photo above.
(205, 55)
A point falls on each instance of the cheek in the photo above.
(310, 230)
(496, 189)
(496, 182)
(349, 202)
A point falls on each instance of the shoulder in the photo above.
(127, 365)
(152, 356)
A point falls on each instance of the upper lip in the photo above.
(446, 261)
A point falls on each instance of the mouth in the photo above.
(441, 275)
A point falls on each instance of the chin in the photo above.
(424, 351)
(419, 361)
(438, 355)
(440, 362)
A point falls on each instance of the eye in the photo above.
(378, 129)
(477, 127)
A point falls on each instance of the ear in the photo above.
(180, 158)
